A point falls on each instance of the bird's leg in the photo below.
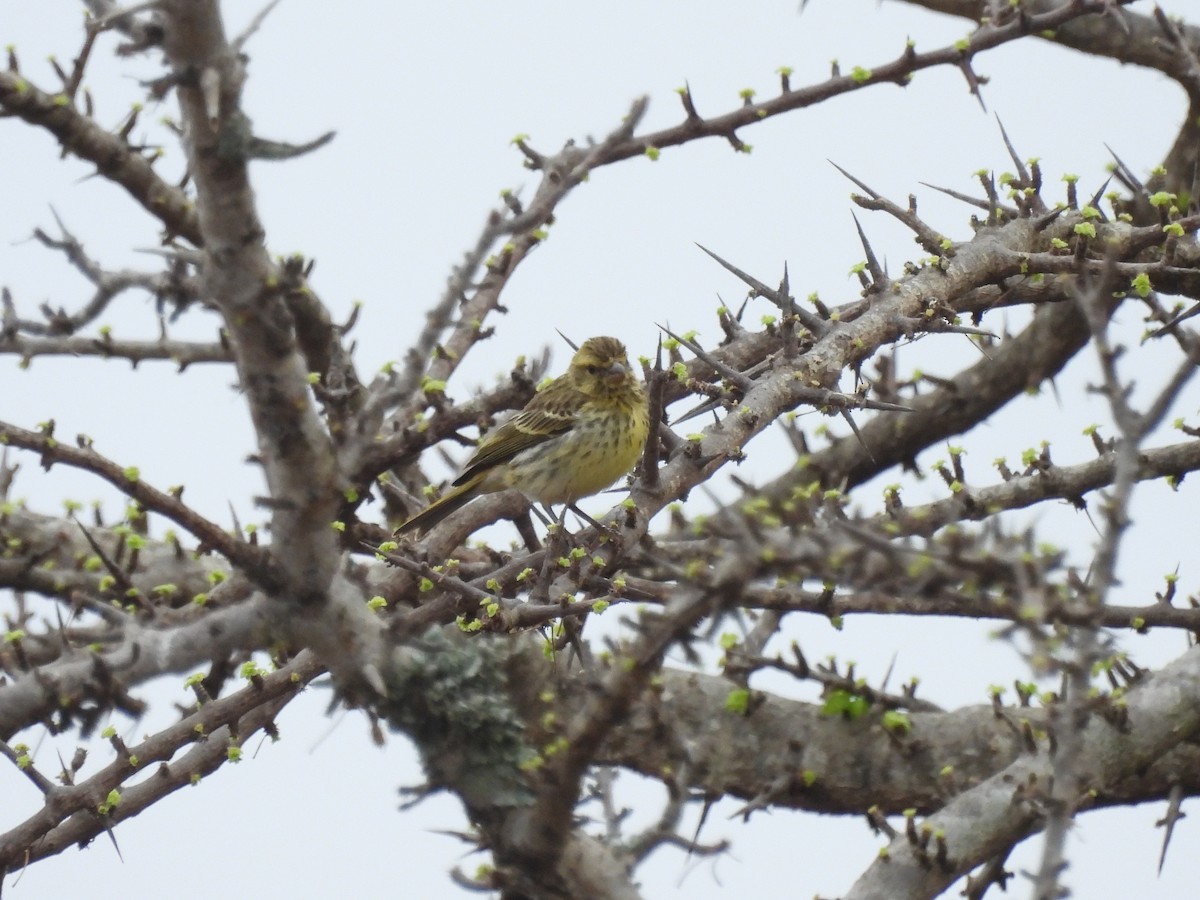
(544, 513)
(600, 527)
(579, 512)
(546, 516)
(556, 527)
(605, 532)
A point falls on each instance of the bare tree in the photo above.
(493, 662)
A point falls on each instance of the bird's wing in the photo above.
(531, 426)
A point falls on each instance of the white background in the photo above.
(425, 99)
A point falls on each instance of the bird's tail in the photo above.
(454, 499)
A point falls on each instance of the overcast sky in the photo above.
(425, 99)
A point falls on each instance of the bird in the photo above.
(574, 438)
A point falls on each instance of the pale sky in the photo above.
(425, 99)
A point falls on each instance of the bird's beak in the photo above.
(617, 372)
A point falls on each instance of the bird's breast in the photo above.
(599, 448)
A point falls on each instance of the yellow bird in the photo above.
(577, 436)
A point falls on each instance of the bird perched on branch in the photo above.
(576, 436)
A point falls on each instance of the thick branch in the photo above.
(789, 754)
(295, 449)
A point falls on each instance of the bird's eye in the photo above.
(593, 370)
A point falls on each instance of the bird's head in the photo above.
(601, 366)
